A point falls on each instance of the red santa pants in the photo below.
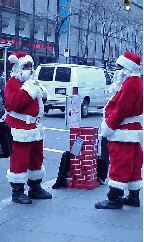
(26, 155)
(126, 160)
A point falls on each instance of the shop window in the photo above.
(8, 3)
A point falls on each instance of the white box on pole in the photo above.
(73, 111)
(66, 52)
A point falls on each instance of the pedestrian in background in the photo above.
(122, 125)
(2, 85)
(24, 98)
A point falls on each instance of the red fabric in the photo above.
(19, 101)
(133, 57)
(25, 156)
(126, 160)
(18, 55)
(128, 102)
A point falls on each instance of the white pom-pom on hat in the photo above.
(13, 59)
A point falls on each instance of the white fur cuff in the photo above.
(44, 91)
(17, 178)
(105, 130)
(30, 88)
(38, 174)
(135, 185)
(119, 185)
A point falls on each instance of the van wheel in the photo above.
(84, 109)
(62, 109)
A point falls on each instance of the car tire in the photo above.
(84, 109)
(62, 109)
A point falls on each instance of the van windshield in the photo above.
(46, 74)
(63, 74)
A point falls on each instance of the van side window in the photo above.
(46, 74)
(63, 74)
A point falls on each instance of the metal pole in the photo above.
(5, 67)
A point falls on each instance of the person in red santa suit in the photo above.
(122, 125)
(24, 98)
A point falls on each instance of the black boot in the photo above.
(132, 199)
(18, 195)
(36, 191)
(63, 173)
(114, 201)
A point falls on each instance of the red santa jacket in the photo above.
(122, 113)
(23, 102)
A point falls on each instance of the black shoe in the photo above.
(41, 194)
(132, 199)
(21, 198)
(114, 201)
(107, 204)
(18, 195)
(36, 191)
(60, 183)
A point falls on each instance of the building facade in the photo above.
(89, 32)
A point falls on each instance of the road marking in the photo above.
(53, 150)
(45, 185)
(66, 130)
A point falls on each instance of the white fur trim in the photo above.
(13, 59)
(119, 185)
(122, 135)
(105, 130)
(22, 135)
(128, 64)
(134, 119)
(30, 88)
(135, 185)
(39, 174)
(25, 60)
(17, 178)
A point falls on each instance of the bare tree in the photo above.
(59, 22)
(111, 22)
(89, 11)
(17, 23)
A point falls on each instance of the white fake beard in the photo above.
(119, 77)
(27, 74)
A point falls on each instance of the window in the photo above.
(8, 3)
(46, 74)
(63, 74)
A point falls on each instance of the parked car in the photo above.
(89, 82)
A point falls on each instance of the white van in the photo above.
(70, 79)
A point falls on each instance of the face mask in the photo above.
(27, 74)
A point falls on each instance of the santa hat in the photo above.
(17, 62)
(20, 59)
(130, 61)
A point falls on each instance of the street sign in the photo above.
(6, 45)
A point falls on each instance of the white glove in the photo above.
(105, 130)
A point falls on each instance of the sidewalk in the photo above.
(70, 216)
